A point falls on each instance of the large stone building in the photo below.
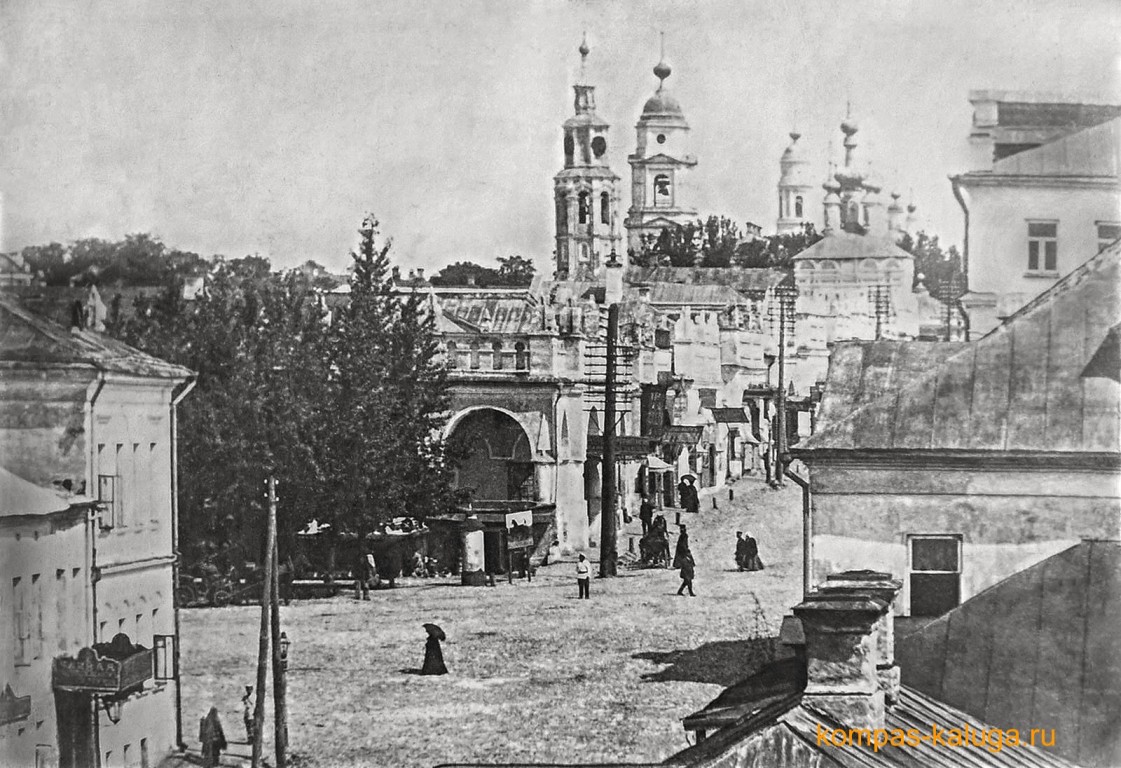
(958, 465)
(1043, 190)
(88, 574)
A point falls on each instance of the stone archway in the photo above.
(498, 456)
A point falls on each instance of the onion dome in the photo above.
(662, 104)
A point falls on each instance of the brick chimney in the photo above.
(882, 587)
(842, 654)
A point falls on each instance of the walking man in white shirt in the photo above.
(584, 577)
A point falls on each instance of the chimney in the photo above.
(882, 587)
(471, 279)
(614, 272)
(412, 274)
(644, 294)
(396, 274)
(842, 655)
(420, 273)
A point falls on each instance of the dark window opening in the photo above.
(605, 208)
(583, 208)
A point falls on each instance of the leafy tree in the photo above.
(515, 270)
(138, 260)
(941, 271)
(776, 251)
(467, 273)
(716, 242)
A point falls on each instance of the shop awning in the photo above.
(730, 416)
(654, 464)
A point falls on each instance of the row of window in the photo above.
(498, 357)
(1043, 243)
(784, 206)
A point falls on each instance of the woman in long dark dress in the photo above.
(433, 655)
(751, 554)
(682, 550)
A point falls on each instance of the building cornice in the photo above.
(984, 179)
(1023, 461)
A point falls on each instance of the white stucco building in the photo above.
(1042, 193)
(87, 577)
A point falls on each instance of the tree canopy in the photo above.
(942, 272)
(139, 259)
(513, 271)
(717, 242)
(344, 409)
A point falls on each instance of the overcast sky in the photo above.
(271, 126)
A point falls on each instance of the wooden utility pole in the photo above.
(279, 673)
(780, 399)
(263, 646)
(607, 553)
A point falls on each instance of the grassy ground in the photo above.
(535, 674)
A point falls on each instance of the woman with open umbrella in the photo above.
(433, 656)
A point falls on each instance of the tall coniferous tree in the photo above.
(388, 399)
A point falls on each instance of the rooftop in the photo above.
(29, 340)
(1039, 647)
(1090, 152)
(841, 245)
(1019, 388)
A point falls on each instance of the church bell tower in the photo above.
(585, 191)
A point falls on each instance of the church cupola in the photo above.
(660, 190)
(794, 189)
(585, 192)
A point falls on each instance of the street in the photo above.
(535, 674)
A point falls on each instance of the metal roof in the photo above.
(1040, 647)
(1017, 389)
(29, 340)
(1089, 152)
(743, 280)
(770, 732)
(842, 246)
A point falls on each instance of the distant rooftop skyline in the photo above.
(273, 127)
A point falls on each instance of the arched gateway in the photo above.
(500, 473)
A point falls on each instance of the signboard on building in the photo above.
(519, 529)
(93, 673)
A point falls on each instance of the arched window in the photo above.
(569, 148)
(474, 355)
(562, 212)
(453, 355)
(798, 207)
(521, 356)
(496, 348)
(663, 190)
(583, 209)
(605, 208)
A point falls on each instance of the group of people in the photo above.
(747, 553)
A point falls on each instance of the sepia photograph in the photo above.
(560, 384)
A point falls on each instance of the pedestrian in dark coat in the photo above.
(646, 514)
(682, 550)
(433, 655)
(687, 572)
(687, 491)
(741, 551)
(751, 554)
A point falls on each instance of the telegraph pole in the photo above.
(785, 295)
(607, 542)
(263, 645)
(279, 673)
